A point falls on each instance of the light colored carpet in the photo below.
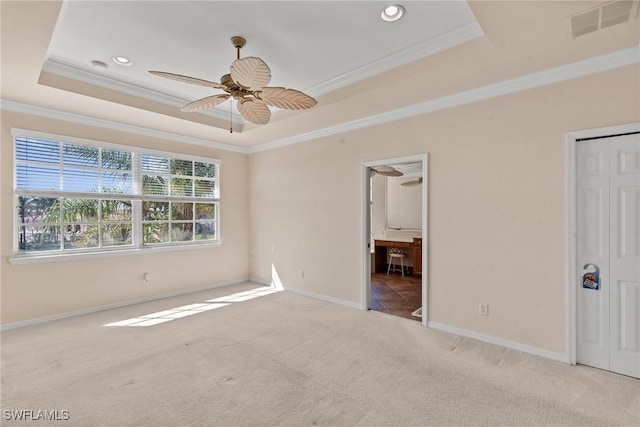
(284, 359)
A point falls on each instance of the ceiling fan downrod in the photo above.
(238, 42)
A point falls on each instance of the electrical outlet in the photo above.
(483, 310)
(147, 277)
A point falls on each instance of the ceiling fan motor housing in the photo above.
(238, 42)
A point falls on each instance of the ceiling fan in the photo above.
(412, 183)
(385, 171)
(247, 84)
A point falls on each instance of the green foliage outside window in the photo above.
(100, 208)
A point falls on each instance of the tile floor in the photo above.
(395, 294)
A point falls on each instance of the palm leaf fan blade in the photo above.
(254, 111)
(250, 72)
(187, 79)
(289, 99)
(412, 183)
(209, 101)
(387, 170)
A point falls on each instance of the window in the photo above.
(76, 196)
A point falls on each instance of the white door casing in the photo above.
(608, 235)
(366, 228)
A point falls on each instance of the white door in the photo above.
(608, 238)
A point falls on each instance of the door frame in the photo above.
(571, 143)
(366, 228)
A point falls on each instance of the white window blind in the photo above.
(166, 176)
(71, 168)
(81, 196)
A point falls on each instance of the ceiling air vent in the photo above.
(603, 16)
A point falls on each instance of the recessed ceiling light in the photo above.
(121, 60)
(392, 13)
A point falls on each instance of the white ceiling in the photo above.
(363, 71)
(313, 46)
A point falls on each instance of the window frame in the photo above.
(136, 197)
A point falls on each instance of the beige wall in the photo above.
(496, 213)
(44, 289)
(496, 205)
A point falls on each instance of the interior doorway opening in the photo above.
(395, 237)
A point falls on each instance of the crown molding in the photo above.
(60, 68)
(574, 70)
(462, 34)
(19, 107)
(439, 43)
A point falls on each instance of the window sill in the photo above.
(34, 259)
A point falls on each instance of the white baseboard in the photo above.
(560, 357)
(536, 351)
(30, 322)
(324, 298)
(310, 294)
(260, 282)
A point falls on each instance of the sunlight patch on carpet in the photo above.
(191, 309)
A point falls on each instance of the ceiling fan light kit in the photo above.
(247, 84)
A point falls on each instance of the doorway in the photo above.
(395, 221)
(604, 272)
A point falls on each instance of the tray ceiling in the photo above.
(314, 46)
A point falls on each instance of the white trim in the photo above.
(603, 131)
(571, 141)
(24, 133)
(31, 322)
(425, 240)
(536, 351)
(260, 282)
(574, 70)
(466, 32)
(403, 159)
(15, 200)
(147, 250)
(323, 297)
(367, 248)
(58, 67)
(35, 110)
(366, 229)
(570, 247)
